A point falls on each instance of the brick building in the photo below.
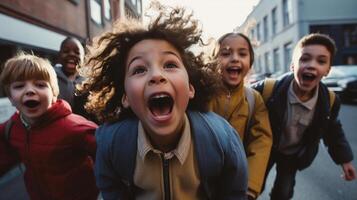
(40, 26)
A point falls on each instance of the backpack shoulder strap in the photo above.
(8, 126)
(251, 104)
(332, 98)
(269, 84)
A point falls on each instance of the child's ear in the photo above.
(191, 91)
(292, 67)
(124, 101)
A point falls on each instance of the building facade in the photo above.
(275, 26)
(40, 26)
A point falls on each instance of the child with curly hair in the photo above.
(159, 141)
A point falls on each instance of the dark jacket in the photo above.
(56, 152)
(325, 124)
(220, 155)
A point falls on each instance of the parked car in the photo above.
(342, 79)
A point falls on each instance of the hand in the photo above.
(249, 197)
(349, 171)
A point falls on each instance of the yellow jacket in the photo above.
(234, 108)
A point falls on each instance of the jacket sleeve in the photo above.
(258, 145)
(234, 177)
(107, 180)
(335, 139)
(8, 156)
(88, 140)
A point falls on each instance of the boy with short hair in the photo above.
(300, 115)
(70, 56)
(56, 146)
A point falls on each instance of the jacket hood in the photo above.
(58, 110)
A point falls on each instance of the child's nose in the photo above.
(235, 57)
(157, 77)
(29, 91)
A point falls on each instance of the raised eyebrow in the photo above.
(172, 53)
(133, 59)
(227, 48)
(323, 56)
(243, 49)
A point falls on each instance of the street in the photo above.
(320, 181)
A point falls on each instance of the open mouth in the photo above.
(160, 104)
(234, 70)
(31, 103)
(308, 77)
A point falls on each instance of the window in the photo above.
(96, 11)
(252, 34)
(267, 63)
(139, 7)
(287, 54)
(274, 21)
(107, 9)
(350, 35)
(258, 31)
(287, 12)
(265, 28)
(276, 60)
(258, 68)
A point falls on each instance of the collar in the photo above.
(59, 70)
(181, 151)
(293, 99)
(26, 124)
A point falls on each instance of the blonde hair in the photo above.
(25, 67)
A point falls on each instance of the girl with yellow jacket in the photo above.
(234, 55)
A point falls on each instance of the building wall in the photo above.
(39, 26)
(305, 15)
(62, 16)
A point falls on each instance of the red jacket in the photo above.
(57, 153)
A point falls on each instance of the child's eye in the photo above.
(139, 70)
(304, 59)
(41, 85)
(170, 65)
(18, 86)
(243, 54)
(225, 53)
(322, 62)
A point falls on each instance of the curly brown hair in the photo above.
(105, 62)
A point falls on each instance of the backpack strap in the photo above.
(251, 104)
(8, 126)
(269, 85)
(332, 98)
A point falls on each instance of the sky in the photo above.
(217, 16)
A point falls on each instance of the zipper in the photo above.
(38, 187)
(165, 171)
(227, 104)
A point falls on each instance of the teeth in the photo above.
(159, 96)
